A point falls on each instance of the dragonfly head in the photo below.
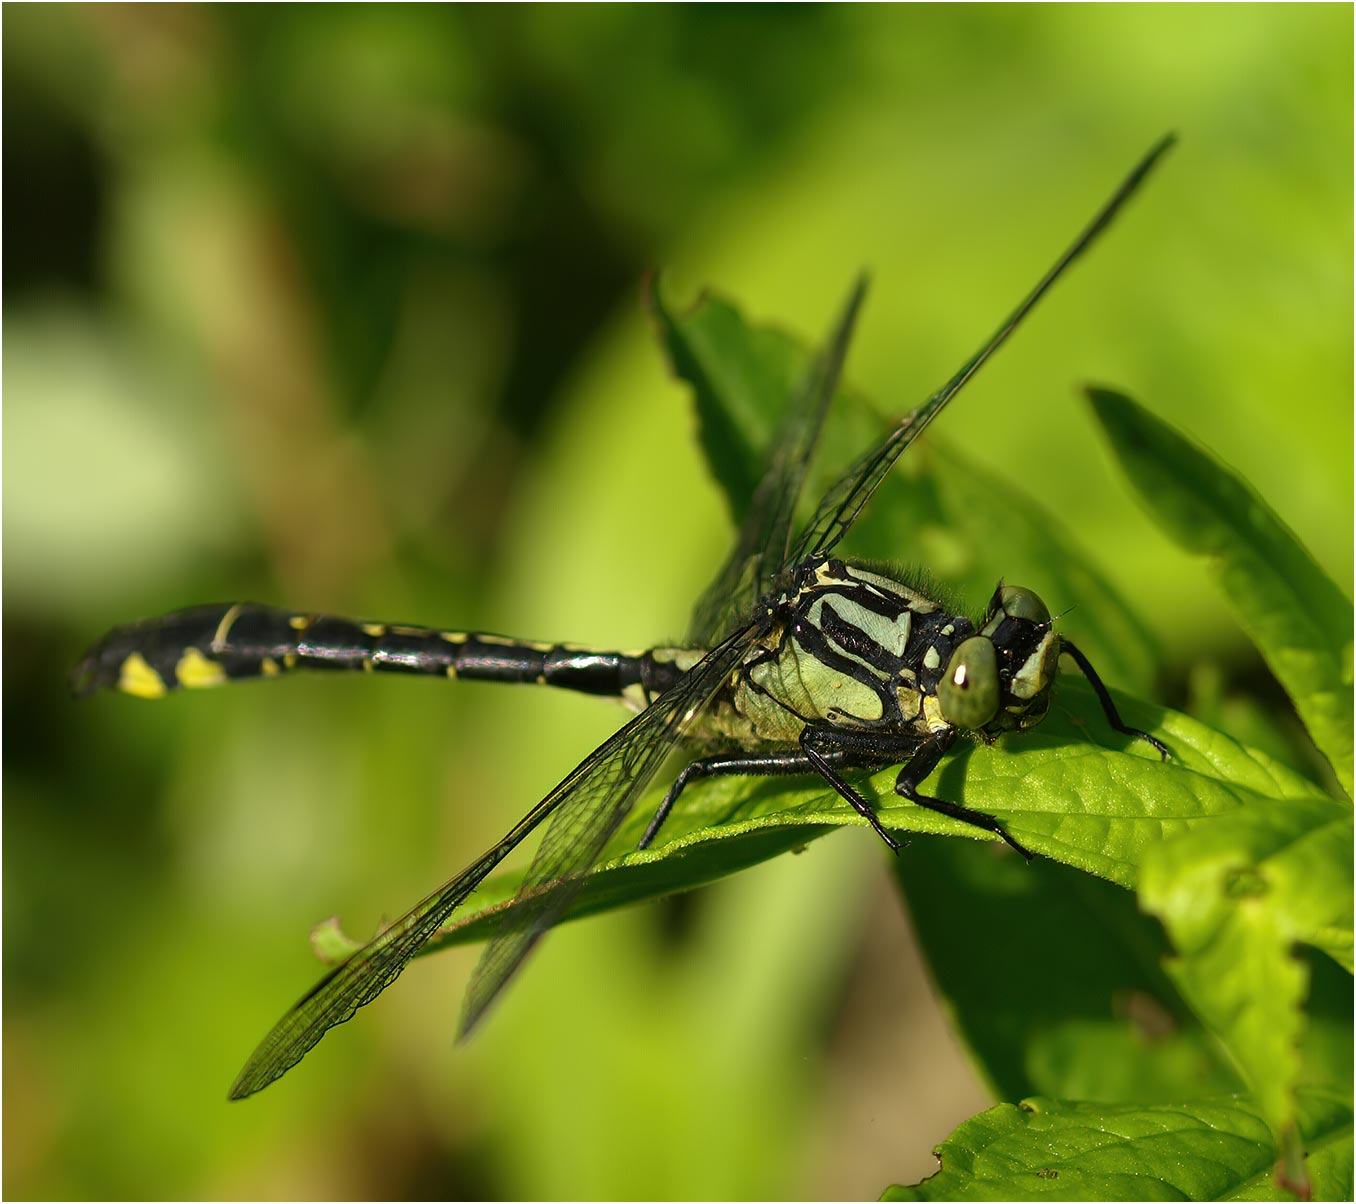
(999, 680)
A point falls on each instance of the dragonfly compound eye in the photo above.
(970, 693)
(1019, 603)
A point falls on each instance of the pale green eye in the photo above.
(1019, 603)
(969, 692)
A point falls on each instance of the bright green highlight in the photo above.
(1293, 611)
(1057, 1150)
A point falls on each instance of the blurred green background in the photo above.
(338, 308)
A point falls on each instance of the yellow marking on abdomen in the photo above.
(269, 667)
(196, 672)
(502, 642)
(454, 637)
(224, 627)
(683, 658)
(136, 677)
(299, 622)
(375, 630)
(634, 697)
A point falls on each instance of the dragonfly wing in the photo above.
(363, 976)
(761, 545)
(592, 803)
(845, 499)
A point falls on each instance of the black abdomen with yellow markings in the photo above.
(211, 645)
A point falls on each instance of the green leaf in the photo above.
(1253, 719)
(974, 528)
(330, 943)
(1235, 895)
(938, 507)
(1071, 789)
(740, 377)
(1069, 998)
(1294, 613)
(1202, 1150)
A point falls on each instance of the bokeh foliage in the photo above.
(338, 307)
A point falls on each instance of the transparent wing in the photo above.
(765, 534)
(373, 968)
(588, 805)
(845, 499)
(592, 802)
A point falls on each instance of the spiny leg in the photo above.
(822, 746)
(1104, 697)
(822, 749)
(745, 765)
(923, 762)
(814, 758)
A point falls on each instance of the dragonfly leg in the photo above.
(824, 746)
(1104, 697)
(923, 762)
(750, 764)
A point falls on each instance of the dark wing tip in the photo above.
(260, 1072)
(1147, 164)
(243, 1089)
(254, 1076)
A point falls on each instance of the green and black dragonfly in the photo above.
(797, 663)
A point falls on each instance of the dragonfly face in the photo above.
(796, 663)
(999, 680)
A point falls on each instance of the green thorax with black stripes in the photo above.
(846, 646)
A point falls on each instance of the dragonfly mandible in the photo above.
(797, 662)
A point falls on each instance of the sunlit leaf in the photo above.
(1071, 790)
(1205, 1150)
(964, 524)
(1069, 998)
(1292, 610)
(1235, 895)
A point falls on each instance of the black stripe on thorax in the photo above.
(814, 642)
(870, 597)
(856, 642)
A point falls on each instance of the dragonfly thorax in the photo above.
(849, 646)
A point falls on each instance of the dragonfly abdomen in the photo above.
(212, 645)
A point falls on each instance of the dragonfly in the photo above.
(797, 663)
